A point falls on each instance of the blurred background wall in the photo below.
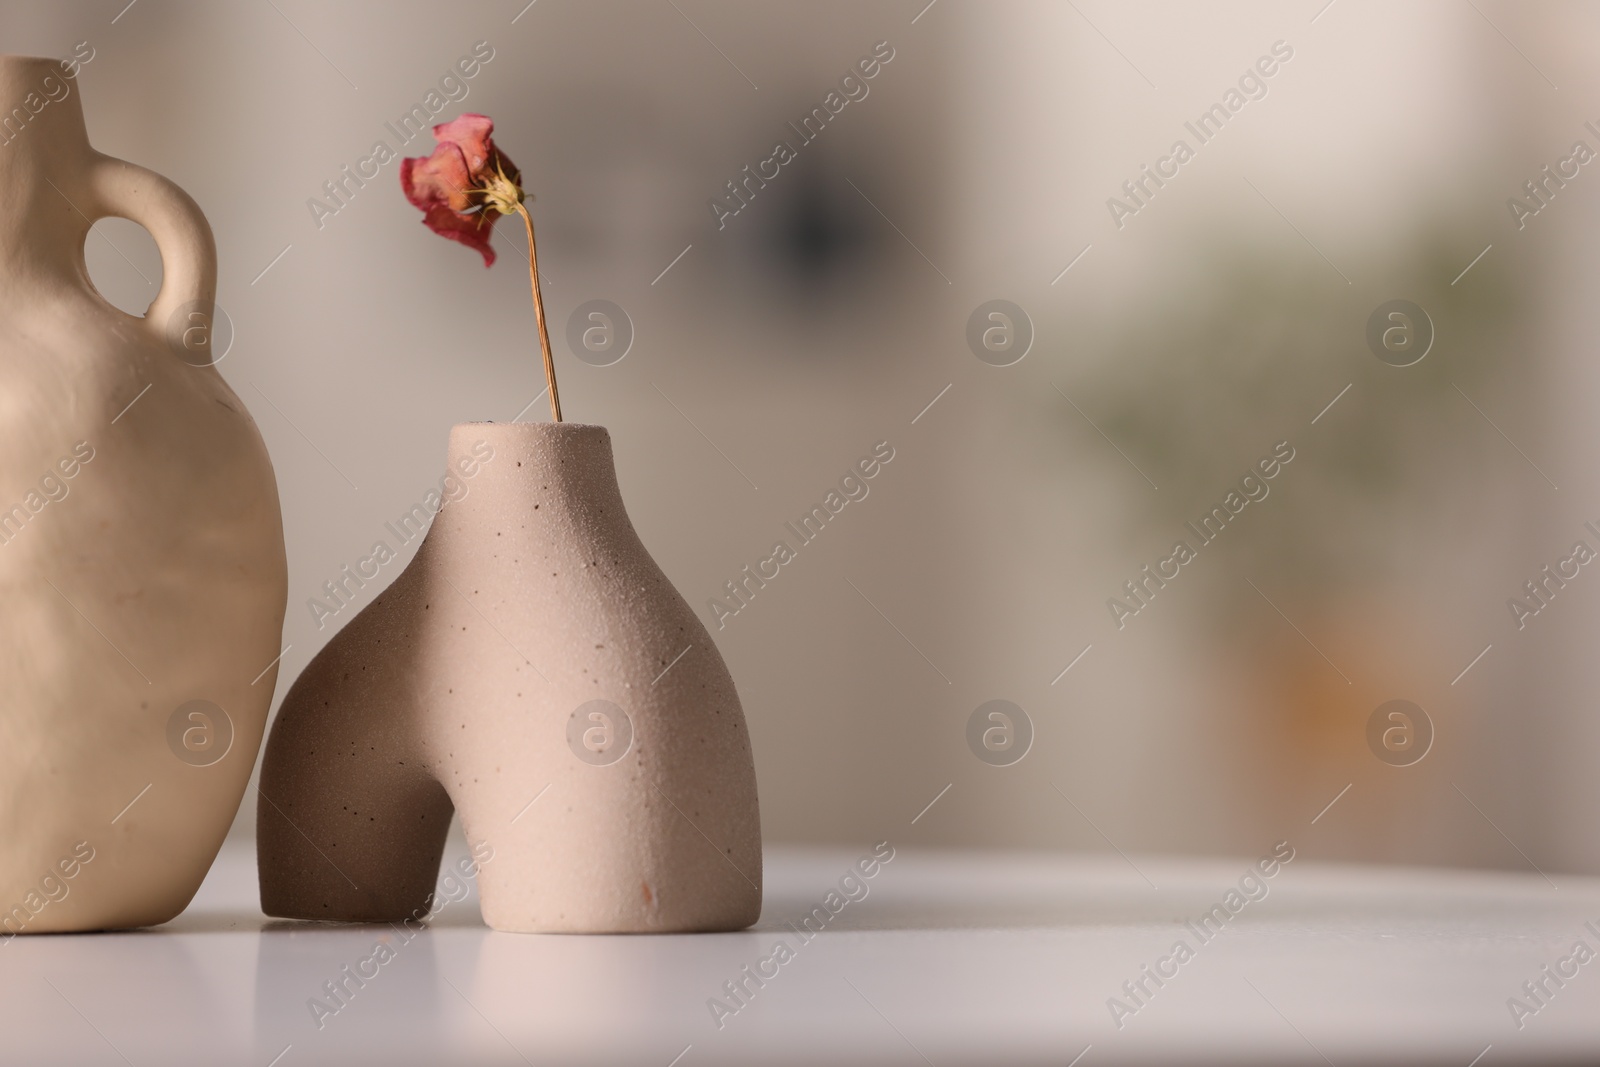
(1176, 341)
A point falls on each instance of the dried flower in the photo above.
(462, 190)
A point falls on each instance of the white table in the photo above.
(952, 958)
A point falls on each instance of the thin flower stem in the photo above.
(538, 315)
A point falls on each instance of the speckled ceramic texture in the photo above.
(530, 597)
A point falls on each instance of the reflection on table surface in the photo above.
(941, 957)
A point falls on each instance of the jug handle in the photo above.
(182, 234)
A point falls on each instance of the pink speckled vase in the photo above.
(533, 668)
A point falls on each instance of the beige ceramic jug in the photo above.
(141, 546)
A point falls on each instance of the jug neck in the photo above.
(45, 165)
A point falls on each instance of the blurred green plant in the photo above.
(1247, 352)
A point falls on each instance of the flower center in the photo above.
(500, 192)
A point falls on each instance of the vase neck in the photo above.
(505, 473)
(45, 165)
